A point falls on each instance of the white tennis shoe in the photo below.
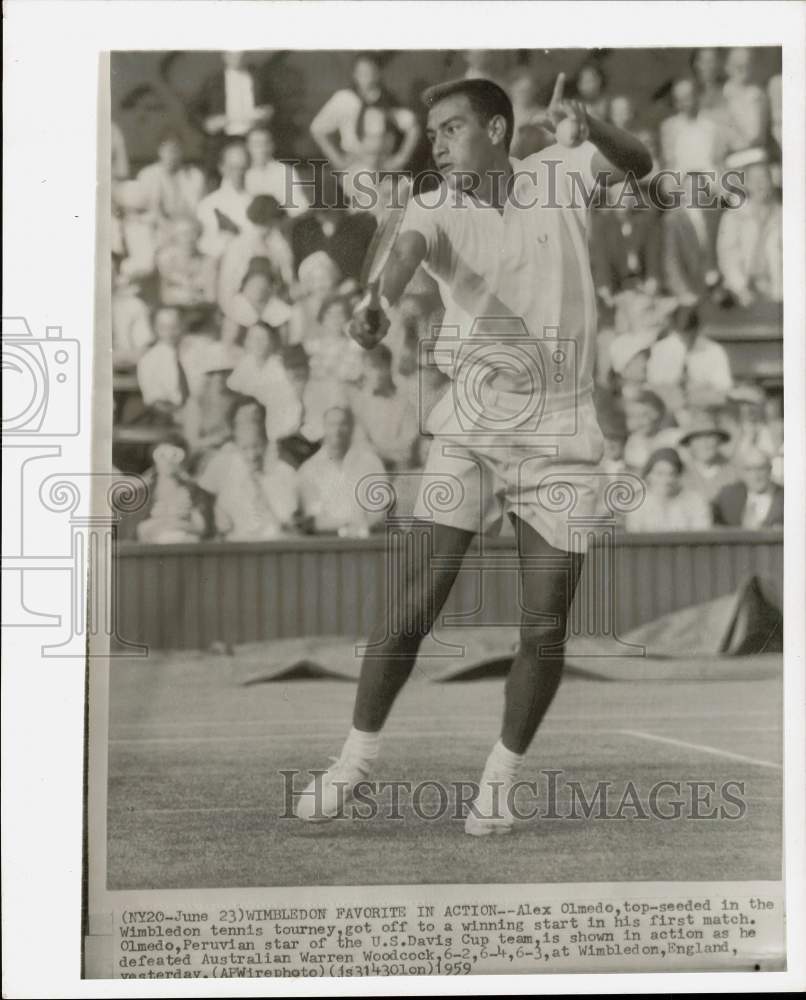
(330, 791)
(490, 812)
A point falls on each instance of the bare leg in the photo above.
(406, 615)
(549, 578)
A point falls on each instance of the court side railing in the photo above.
(189, 596)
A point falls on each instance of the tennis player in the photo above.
(506, 241)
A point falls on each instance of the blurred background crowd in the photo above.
(235, 266)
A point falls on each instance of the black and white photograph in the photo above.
(433, 591)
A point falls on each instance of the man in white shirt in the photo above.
(755, 502)
(230, 101)
(163, 383)
(507, 242)
(365, 117)
(173, 189)
(688, 359)
(222, 213)
(750, 242)
(330, 482)
(690, 141)
(269, 176)
(386, 417)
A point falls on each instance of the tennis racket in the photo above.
(382, 244)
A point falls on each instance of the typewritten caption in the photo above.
(523, 932)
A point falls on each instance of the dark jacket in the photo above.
(685, 259)
(611, 248)
(731, 501)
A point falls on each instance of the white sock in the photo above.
(505, 760)
(363, 745)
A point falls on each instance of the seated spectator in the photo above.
(333, 354)
(749, 421)
(162, 380)
(629, 357)
(328, 482)
(254, 492)
(187, 278)
(318, 280)
(750, 242)
(625, 246)
(176, 510)
(756, 501)
(261, 374)
(614, 430)
(131, 324)
(232, 100)
(384, 415)
(172, 188)
(590, 87)
(268, 176)
(687, 359)
(263, 239)
(205, 417)
(136, 230)
(259, 299)
(668, 505)
(690, 140)
(648, 431)
(748, 114)
(707, 469)
(222, 213)
(689, 234)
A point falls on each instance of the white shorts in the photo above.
(550, 478)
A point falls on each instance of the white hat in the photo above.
(626, 346)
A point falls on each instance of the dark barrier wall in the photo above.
(189, 596)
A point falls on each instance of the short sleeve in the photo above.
(333, 114)
(580, 158)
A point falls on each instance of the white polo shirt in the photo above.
(517, 288)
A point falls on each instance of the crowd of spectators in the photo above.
(252, 415)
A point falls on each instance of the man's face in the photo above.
(233, 165)
(170, 154)
(621, 112)
(589, 84)
(168, 326)
(366, 75)
(685, 97)
(756, 474)
(645, 418)
(706, 64)
(704, 448)
(338, 432)
(459, 141)
(663, 480)
(738, 65)
(260, 146)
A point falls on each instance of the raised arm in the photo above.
(618, 152)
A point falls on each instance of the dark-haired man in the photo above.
(507, 242)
